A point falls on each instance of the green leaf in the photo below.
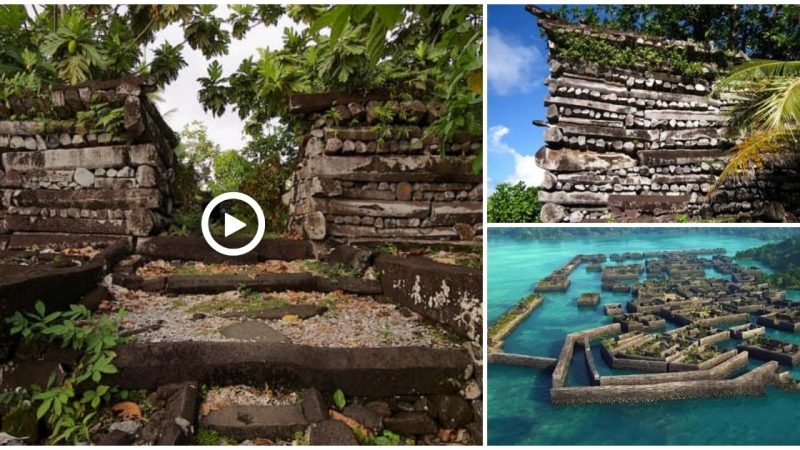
(339, 400)
(43, 408)
(40, 308)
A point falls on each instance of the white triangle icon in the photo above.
(232, 225)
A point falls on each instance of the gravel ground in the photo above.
(161, 267)
(351, 321)
(243, 395)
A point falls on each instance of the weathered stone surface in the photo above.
(57, 288)
(195, 248)
(411, 424)
(662, 158)
(452, 411)
(566, 160)
(315, 409)
(450, 295)
(250, 422)
(84, 177)
(371, 372)
(553, 213)
(89, 158)
(331, 432)
(574, 198)
(146, 176)
(315, 226)
(365, 416)
(91, 198)
(649, 203)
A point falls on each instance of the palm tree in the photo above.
(768, 113)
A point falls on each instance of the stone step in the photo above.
(252, 421)
(195, 248)
(377, 372)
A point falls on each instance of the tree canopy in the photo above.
(431, 49)
(760, 31)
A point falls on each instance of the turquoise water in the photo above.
(518, 398)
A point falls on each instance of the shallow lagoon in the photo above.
(519, 410)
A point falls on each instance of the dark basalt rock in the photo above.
(451, 410)
(411, 424)
(365, 416)
(314, 407)
(369, 372)
(331, 432)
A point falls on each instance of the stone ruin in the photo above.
(645, 144)
(80, 214)
(366, 177)
(57, 176)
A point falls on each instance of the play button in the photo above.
(232, 224)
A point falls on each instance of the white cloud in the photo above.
(511, 66)
(180, 96)
(525, 168)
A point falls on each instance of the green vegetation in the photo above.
(207, 437)
(514, 203)
(260, 170)
(433, 50)
(253, 302)
(782, 257)
(499, 327)
(333, 272)
(761, 31)
(68, 412)
(339, 400)
(75, 43)
(768, 113)
(630, 55)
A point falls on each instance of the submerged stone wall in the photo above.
(60, 176)
(369, 172)
(645, 143)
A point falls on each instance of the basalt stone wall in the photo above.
(368, 171)
(645, 143)
(58, 174)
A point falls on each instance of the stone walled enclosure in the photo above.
(644, 144)
(368, 172)
(57, 175)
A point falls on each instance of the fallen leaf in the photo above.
(352, 423)
(445, 435)
(291, 318)
(127, 410)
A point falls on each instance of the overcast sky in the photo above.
(181, 95)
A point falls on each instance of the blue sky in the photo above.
(517, 67)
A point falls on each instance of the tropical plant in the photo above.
(434, 50)
(767, 112)
(514, 203)
(74, 43)
(68, 411)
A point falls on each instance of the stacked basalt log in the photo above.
(647, 143)
(58, 176)
(363, 177)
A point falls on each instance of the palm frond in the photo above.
(751, 153)
(781, 107)
(756, 70)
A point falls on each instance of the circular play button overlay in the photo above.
(232, 224)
